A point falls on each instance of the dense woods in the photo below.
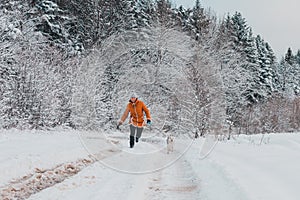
(75, 63)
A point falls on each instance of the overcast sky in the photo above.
(277, 21)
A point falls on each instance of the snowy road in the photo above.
(58, 165)
(97, 182)
(144, 172)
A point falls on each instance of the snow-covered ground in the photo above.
(88, 165)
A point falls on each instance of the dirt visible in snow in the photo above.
(41, 179)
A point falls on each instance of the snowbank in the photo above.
(250, 167)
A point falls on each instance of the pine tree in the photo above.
(110, 17)
(244, 43)
(274, 66)
(199, 21)
(137, 13)
(56, 24)
(239, 30)
(254, 91)
(84, 18)
(182, 18)
(289, 58)
(266, 75)
(164, 14)
(289, 74)
(297, 57)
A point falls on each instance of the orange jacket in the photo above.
(136, 110)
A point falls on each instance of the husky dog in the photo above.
(170, 144)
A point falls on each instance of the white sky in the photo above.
(277, 21)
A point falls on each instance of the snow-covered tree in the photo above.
(85, 81)
(35, 76)
(75, 63)
(289, 73)
(205, 105)
(11, 77)
(146, 62)
(137, 14)
(239, 30)
(297, 57)
(199, 21)
(163, 13)
(266, 61)
(58, 25)
(244, 43)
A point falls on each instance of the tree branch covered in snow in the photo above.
(75, 63)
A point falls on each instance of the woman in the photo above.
(136, 108)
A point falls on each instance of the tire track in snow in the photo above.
(176, 182)
(41, 179)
